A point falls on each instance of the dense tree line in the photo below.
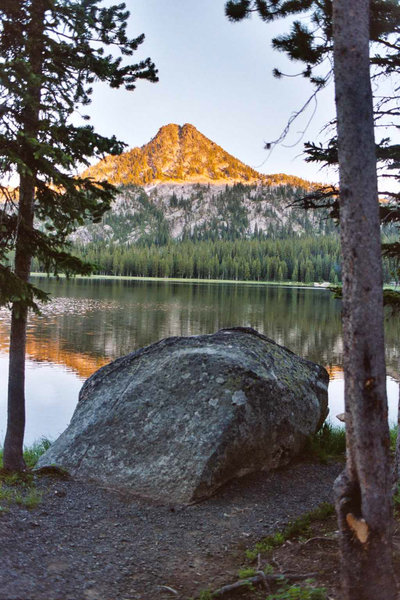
(305, 259)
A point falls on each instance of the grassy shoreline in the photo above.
(293, 284)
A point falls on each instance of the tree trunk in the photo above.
(396, 466)
(13, 445)
(363, 491)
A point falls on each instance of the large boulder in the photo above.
(177, 419)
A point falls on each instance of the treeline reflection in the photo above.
(91, 322)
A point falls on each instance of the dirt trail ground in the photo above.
(84, 542)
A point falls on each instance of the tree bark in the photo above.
(396, 466)
(363, 491)
(13, 445)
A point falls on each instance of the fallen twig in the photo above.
(262, 578)
(169, 589)
(259, 578)
(320, 539)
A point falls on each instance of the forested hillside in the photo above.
(238, 232)
(204, 212)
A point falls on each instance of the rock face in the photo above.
(177, 419)
(198, 210)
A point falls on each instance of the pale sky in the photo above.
(216, 75)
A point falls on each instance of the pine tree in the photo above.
(52, 51)
(310, 43)
(363, 492)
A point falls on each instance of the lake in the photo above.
(90, 322)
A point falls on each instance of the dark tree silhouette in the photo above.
(52, 51)
(363, 491)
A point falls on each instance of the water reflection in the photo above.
(52, 393)
(111, 318)
(91, 322)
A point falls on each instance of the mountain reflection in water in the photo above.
(90, 322)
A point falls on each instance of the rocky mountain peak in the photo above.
(177, 153)
(180, 154)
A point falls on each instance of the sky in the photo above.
(216, 75)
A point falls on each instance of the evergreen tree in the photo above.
(310, 41)
(52, 51)
(363, 491)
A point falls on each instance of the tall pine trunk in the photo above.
(396, 467)
(13, 445)
(363, 491)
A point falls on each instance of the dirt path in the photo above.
(89, 543)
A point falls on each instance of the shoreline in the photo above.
(291, 284)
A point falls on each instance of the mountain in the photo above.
(181, 154)
(183, 186)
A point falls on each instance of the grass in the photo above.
(30, 499)
(19, 488)
(279, 587)
(205, 595)
(285, 591)
(32, 453)
(246, 572)
(294, 529)
(298, 592)
(328, 443)
(393, 439)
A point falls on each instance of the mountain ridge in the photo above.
(182, 186)
(182, 154)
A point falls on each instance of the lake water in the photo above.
(91, 322)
